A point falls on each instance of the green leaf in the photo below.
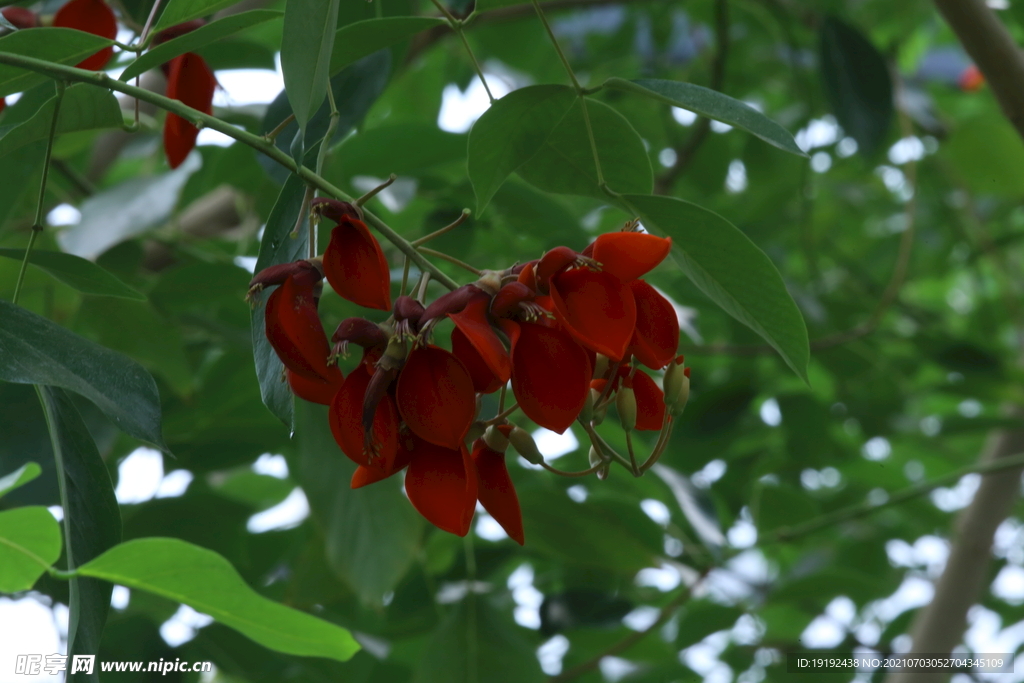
(34, 350)
(406, 149)
(474, 643)
(702, 618)
(53, 44)
(565, 162)
(510, 133)
(85, 107)
(278, 246)
(19, 477)
(781, 505)
(180, 11)
(29, 545)
(92, 520)
(987, 152)
(193, 40)
(372, 534)
(309, 28)
(357, 40)
(712, 104)
(731, 270)
(125, 210)
(208, 583)
(76, 272)
(857, 83)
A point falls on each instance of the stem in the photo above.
(37, 224)
(603, 446)
(659, 448)
(863, 509)
(457, 27)
(503, 413)
(558, 48)
(593, 143)
(149, 23)
(437, 233)
(405, 277)
(260, 144)
(272, 135)
(632, 455)
(563, 473)
(375, 191)
(450, 259)
(501, 398)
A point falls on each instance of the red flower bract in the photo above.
(346, 420)
(91, 16)
(442, 486)
(316, 390)
(495, 489)
(293, 327)
(472, 326)
(190, 81)
(435, 396)
(550, 374)
(628, 255)
(596, 308)
(656, 337)
(650, 402)
(355, 266)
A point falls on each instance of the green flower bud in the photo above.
(495, 440)
(679, 404)
(601, 366)
(598, 413)
(595, 459)
(625, 402)
(525, 445)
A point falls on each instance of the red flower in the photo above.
(435, 396)
(442, 486)
(475, 343)
(91, 16)
(656, 336)
(316, 390)
(20, 17)
(190, 81)
(348, 416)
(596, 308)
(494, 486)
(354, 263)
(628, 255)
(650, 402)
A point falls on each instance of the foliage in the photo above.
(848, 299)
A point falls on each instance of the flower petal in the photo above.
(355, 266)
(596, 308)
(484, 380)
(473, 323)
(91, 16)
(495, 490)
(190, 81)
(442, 486)
(550, 375)
(628, 255)
(294, 329)
(346, 421)
(657, 328)
(435, 396)
(650, 402)
(371, 474)
(316, 390)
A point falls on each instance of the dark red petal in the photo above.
(304, 271)
(550, 375)
(191, 82)
(596, 308)
(335, 209)
(495, 490)
(346, 421)
(316, 390)
(294, 330)
(371, 474)
(473, 323)
(21, 18)
(435, 396)
(508, 298)
(3, 104)
(355, 266)
(650, 402)
(657, 328)
(554, 261)
(528, 276)
(628, 255)
(91, 16)
(361, 331)
(484, 381)
(442, 486)
(452, 302)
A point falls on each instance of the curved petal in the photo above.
(190, 81)
(442, 486)
(294, 330)
(316, 390)
(346, 422)
(550, 376)
(371, 474)
(495, 490)
(484, 381)
(91, 16)
(435, 396)
(508, 298)
(554, 261)
(650, 403)
(596, 308)
(452, 302)
(355, 266)
(657, 328)
(472, 322)
(628, 255)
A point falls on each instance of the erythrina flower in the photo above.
(91, 16)
(435, 396)
(628, 255)
(354, 263)
(320, 391)
(380, 446)
(656, 336)
(442, 486)
(20, 17)
(190, 81)
(494, 486)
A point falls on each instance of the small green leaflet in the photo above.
(76, 272)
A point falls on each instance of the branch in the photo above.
(633, 638)
(197, 118)
(684, 155)
(993, 49)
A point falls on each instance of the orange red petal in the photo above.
(355, 266)
(91, 16)
(495, 490)
(656, 337)
(550, 375)
(628, 255)
(473, 324)
(596, 308)
(191, 82)
(650, 402)
(442, 486)
(346, 421)
(294, 330)
(316, 390)
(435, 396)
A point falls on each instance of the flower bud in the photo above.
(625, 402)
(598, 412)
(673, 382)
(679, 404)
(596, 459)
(587, 412)
(525, 445)
(601, 366)
(495, 440)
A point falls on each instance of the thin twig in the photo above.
(437, 233)
(450, 259)
(456, 26)
(272, 135)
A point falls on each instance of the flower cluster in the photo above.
(570, 330)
